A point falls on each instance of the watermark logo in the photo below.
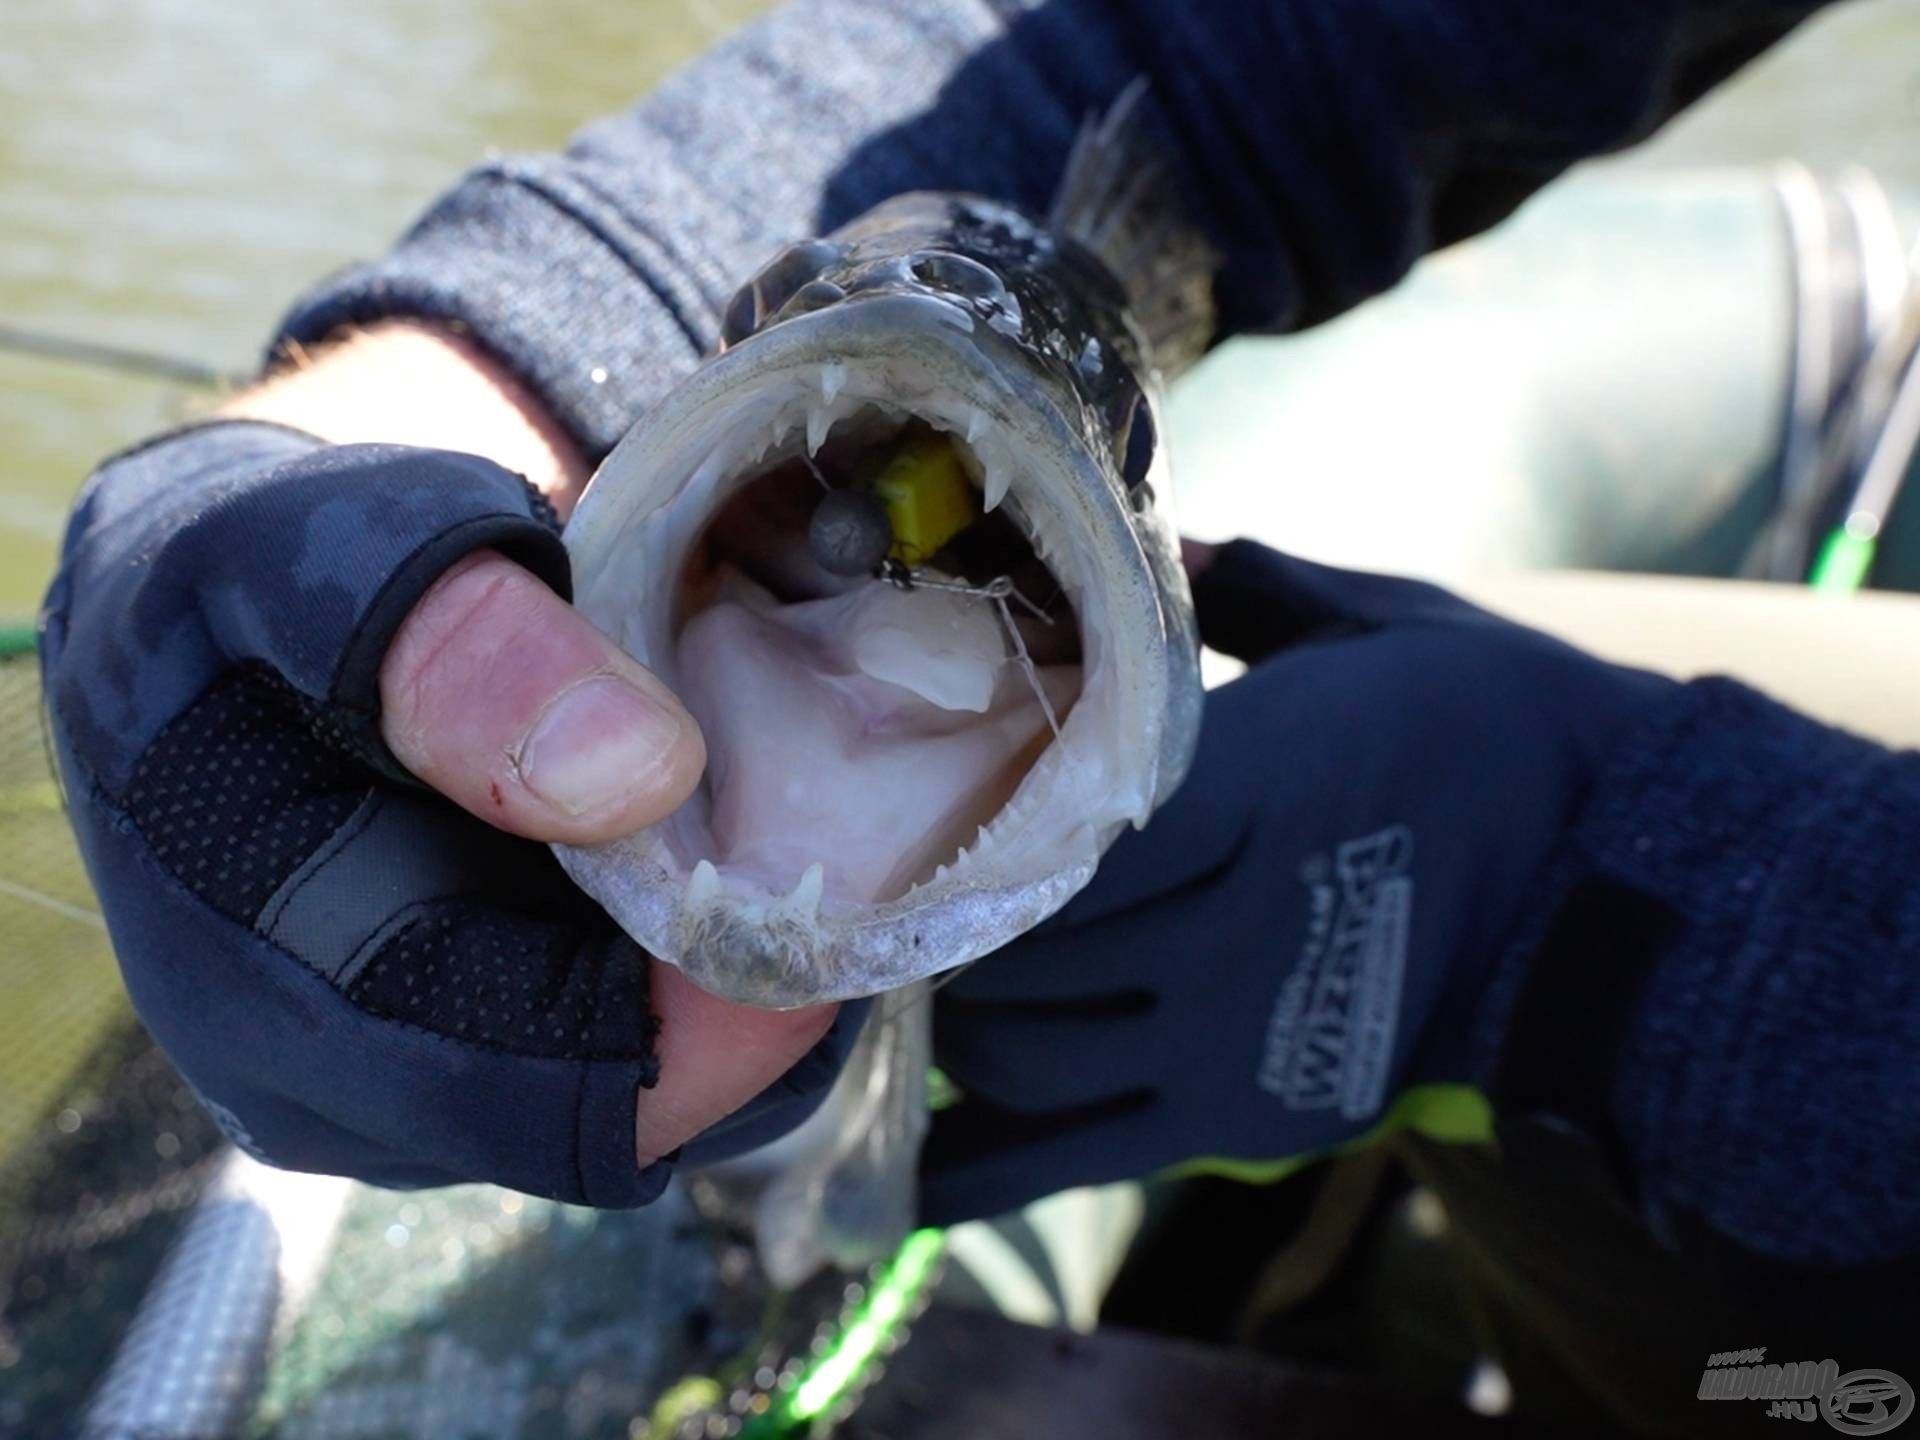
(1868, 1402)
(1860, 1402)
(1330, 1037)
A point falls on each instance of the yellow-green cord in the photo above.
(828, 1379)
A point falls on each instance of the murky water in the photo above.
(171, 171)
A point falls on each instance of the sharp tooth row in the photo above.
(803, 902)
(994, 486)
(819, 422)
(968, 857)
(833, 376)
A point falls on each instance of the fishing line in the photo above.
(997, 590)
(1846, 559)
(1026, 664)
(124, 359)
(1836, 421)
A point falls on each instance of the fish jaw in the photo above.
(789, 940)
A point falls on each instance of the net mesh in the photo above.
(56, 970)
(102, 1149)
(154, 1283)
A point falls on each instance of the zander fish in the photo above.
(900, 545)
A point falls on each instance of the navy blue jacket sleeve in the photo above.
(1327, 145)
(1729, 997)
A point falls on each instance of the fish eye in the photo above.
(957, 275)
(814, 295)
(741, 319)
(777, 284)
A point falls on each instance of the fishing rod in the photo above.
(1846, 559)
(1852, 431)
(123, 359)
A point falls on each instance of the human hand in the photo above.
(1316, 922)
(499, 695)
(256, 648)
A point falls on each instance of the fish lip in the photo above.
(742, 959)
(740, 948)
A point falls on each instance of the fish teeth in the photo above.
(976, 425)
(703, 885)
(994, 486)
(818, 423)
(833, 377)
(805, 899)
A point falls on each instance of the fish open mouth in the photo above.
(865, 729)
(918, 743)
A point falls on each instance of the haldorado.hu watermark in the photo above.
(1860, 1402)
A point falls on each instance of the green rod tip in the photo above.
(1844, 564)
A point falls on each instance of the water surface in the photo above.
(172, 171)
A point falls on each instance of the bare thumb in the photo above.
(502, 697)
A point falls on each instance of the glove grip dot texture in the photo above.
(357, 976)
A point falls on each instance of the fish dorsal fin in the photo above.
(1120, 198)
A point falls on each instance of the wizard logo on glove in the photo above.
(1330, 1040)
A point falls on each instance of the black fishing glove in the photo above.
(356, 975)
(1317, 932)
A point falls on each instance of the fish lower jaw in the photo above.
(777, 955)
(754, 947)
(740, 932)
(1010, 850)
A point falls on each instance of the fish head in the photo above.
(1058, 307)
(900, 779)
